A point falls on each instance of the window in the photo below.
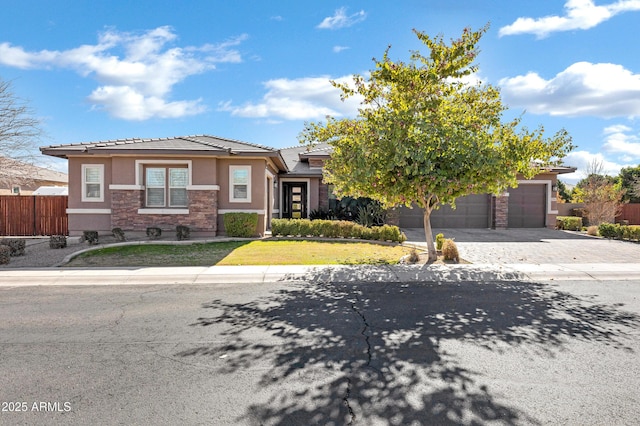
(159, 179)
(93, 182)
(15, 190)
(240, 184)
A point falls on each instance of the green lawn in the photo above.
(263, 252)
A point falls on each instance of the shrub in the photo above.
(450, 250)
(631, 232)
(57, 241)
(610, 230)
(370, 214)
(413, 257)
(334, 229)
(183, 232)
(153, 232)
(439, 241)
(620, 232)
(391, 233)
(5, 254)
(91, 237)
(321, 214)
(569, 223)
(242, 225)
(592, 230)
(16, 246)
(118, 234)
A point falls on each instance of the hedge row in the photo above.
(620, 232)
(569, 223)
(334, 229)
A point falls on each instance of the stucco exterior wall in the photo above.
(89, 222)
(258, 195)
(124, 207)
(75, 183)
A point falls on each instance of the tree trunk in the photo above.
(428, 233)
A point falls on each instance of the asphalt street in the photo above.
(321, 352)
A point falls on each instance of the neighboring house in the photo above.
(51, 190)
(194, 180)
(20, 178)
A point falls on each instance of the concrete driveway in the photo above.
(534, 246)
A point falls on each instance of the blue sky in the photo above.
(257, 70)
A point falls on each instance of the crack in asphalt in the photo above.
(364, 329)
(347, 404)
(366, 333)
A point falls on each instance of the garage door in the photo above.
(471, 212)
(527, 206)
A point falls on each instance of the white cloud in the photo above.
(310, 98)
(583, 89)
(135, 85)
(340, 19)
(616, 128)
(580, 15)
(125, 103)
(619, 142)
(582, 160)
(620, 148)
(338, 49)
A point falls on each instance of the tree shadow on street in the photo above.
(349, 352)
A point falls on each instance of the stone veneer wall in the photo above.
(203, 212)
(500, 208)
(323, 196)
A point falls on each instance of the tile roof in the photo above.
(293, 157)
(179, 143)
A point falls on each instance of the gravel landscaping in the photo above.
(38, 254)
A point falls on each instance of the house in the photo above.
(20, 178)
(533, 204)
(194, 180)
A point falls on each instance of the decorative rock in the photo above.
(57, 241)
(154, 233)
(91, 237)
(16, 246)
(183, 232)
(118, 234)
(5, 254)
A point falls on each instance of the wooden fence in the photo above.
(630, 212)
(28, 215)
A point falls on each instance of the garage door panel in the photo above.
(527, 206)
(471, 212)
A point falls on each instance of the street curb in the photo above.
(399, 274)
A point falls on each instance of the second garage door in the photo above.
(527, 206)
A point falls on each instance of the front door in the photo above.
(295, 200)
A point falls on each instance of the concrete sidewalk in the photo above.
(365, 273)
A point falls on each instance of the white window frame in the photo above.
(232, 198)
(84, 197)
(166, 186)
(15, 190)
(169, 187)
(163, 187)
